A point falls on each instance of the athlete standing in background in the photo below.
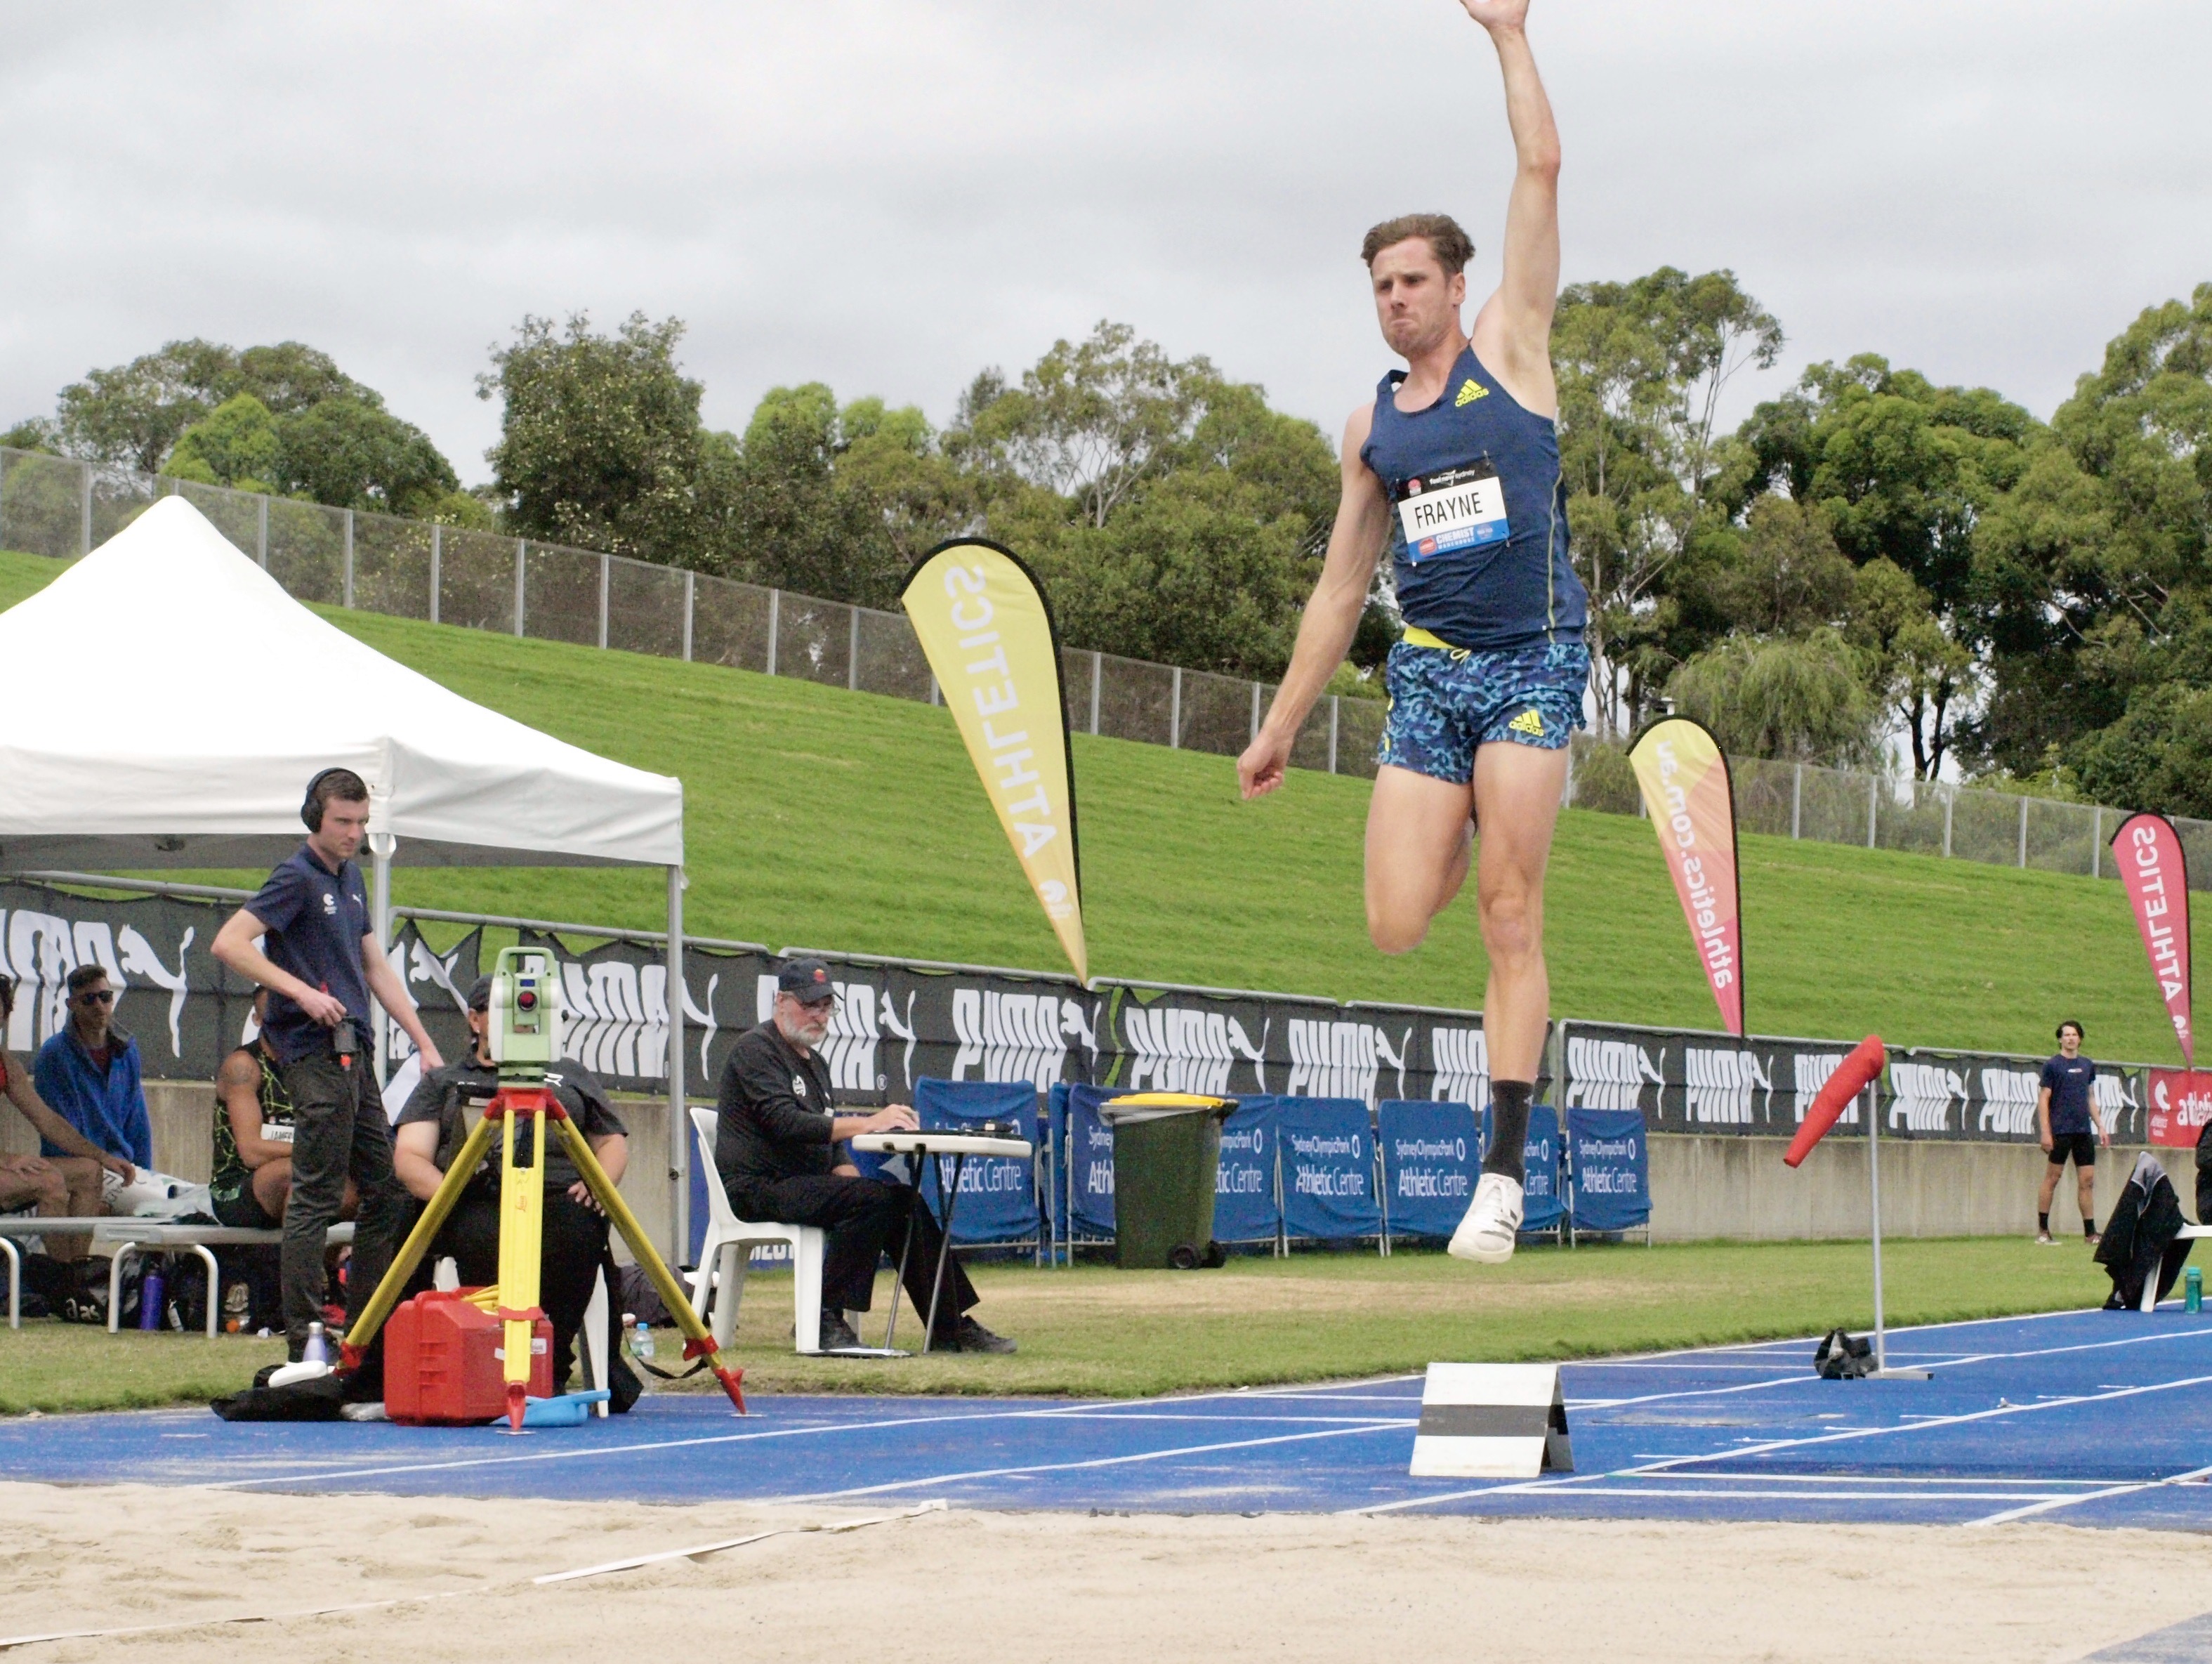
(1454, 468)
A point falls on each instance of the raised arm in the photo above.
(1513, 331)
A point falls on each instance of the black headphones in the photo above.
(311, 808)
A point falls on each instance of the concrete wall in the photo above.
(1704, 1187)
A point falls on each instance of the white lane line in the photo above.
(1088, 1411)
(1069, 1467)
(1847, 1498)
(1672, 1463)
(2056, 1502)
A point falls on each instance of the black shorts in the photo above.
(244, 1211)
(2081, 1146)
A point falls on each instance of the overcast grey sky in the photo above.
(890, 197)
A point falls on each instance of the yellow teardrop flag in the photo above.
(984, 624)
(1685, 789)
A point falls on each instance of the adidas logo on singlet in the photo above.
(1528, 722)
(1470, 391)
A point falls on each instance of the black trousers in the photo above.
(339, 1132)
(573, 1244)
(865, 1218)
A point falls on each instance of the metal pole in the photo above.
(84, 510)
(1098, 675)
(679, 1118)
(936, 694)
(349, 557)
(1336, 709)
(775, 620)
(2097, 842)
(1874, 1194)
(853, 652)
(521, 564)
(690, 594)
(380, 846)
(1950, 802)
(261, 540)
(1174, 710)
(1796, 799)
(605, 563)
(1874, 791)
(1255, 710)
(2023, 831)
(437, 560)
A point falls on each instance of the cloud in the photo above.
(888, 198)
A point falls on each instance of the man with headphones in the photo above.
(319, 957)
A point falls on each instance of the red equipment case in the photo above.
(444, 1366)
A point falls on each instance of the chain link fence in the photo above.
(1887, 812)
(482, 580)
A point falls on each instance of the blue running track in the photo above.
(2091, 1418)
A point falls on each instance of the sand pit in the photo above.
(966, 1585)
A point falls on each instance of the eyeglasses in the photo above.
(103, 996)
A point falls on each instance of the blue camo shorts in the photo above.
(1446, 701)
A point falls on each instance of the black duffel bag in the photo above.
(1844, 1356)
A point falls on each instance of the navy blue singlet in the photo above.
(1478, 515)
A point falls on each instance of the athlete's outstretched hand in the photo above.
(1498, 14)
(1260, 770)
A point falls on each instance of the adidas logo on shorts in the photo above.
(1528, 722)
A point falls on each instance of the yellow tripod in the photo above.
(521, 1223)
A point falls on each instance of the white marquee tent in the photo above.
(167, 704)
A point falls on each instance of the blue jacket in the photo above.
(111, 1111)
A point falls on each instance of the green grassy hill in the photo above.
(847, 820)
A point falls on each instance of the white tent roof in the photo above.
(167, 704)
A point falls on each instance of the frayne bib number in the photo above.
(1453, 508)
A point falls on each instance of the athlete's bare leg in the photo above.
(1418, 844)
(1517, 798)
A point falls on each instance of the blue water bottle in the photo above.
(150, 1293)
(2193, 1290)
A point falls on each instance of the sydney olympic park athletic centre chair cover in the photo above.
(169, 703)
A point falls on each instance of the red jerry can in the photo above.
(443, 1365)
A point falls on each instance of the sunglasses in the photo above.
(105, 996)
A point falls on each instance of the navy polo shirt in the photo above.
(2069, 1080)
(316, 919)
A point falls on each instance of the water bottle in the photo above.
(641, 1343)
(150, 1292)
(317, 1350)
(2193, 1290)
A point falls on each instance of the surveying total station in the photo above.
(524, 1038)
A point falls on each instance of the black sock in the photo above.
(2088, 1228)
(2043, 1224)
(1509, 1128)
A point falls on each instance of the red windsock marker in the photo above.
(1850, 1079)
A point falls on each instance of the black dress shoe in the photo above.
(836, 1334)
(971, 1336)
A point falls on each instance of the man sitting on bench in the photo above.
(779, 1148)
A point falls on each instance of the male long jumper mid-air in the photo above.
(1454, 468)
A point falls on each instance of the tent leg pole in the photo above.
(679, 1122)
(380, 846)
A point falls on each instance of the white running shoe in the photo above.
(1486, 1233)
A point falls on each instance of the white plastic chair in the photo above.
(727, 1253)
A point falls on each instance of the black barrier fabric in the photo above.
(1984, 1095)
(1609, 1183)
(1686, 1082)
(186, 1009)
(1251, 1045)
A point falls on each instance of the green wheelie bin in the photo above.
(1167, 1151)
